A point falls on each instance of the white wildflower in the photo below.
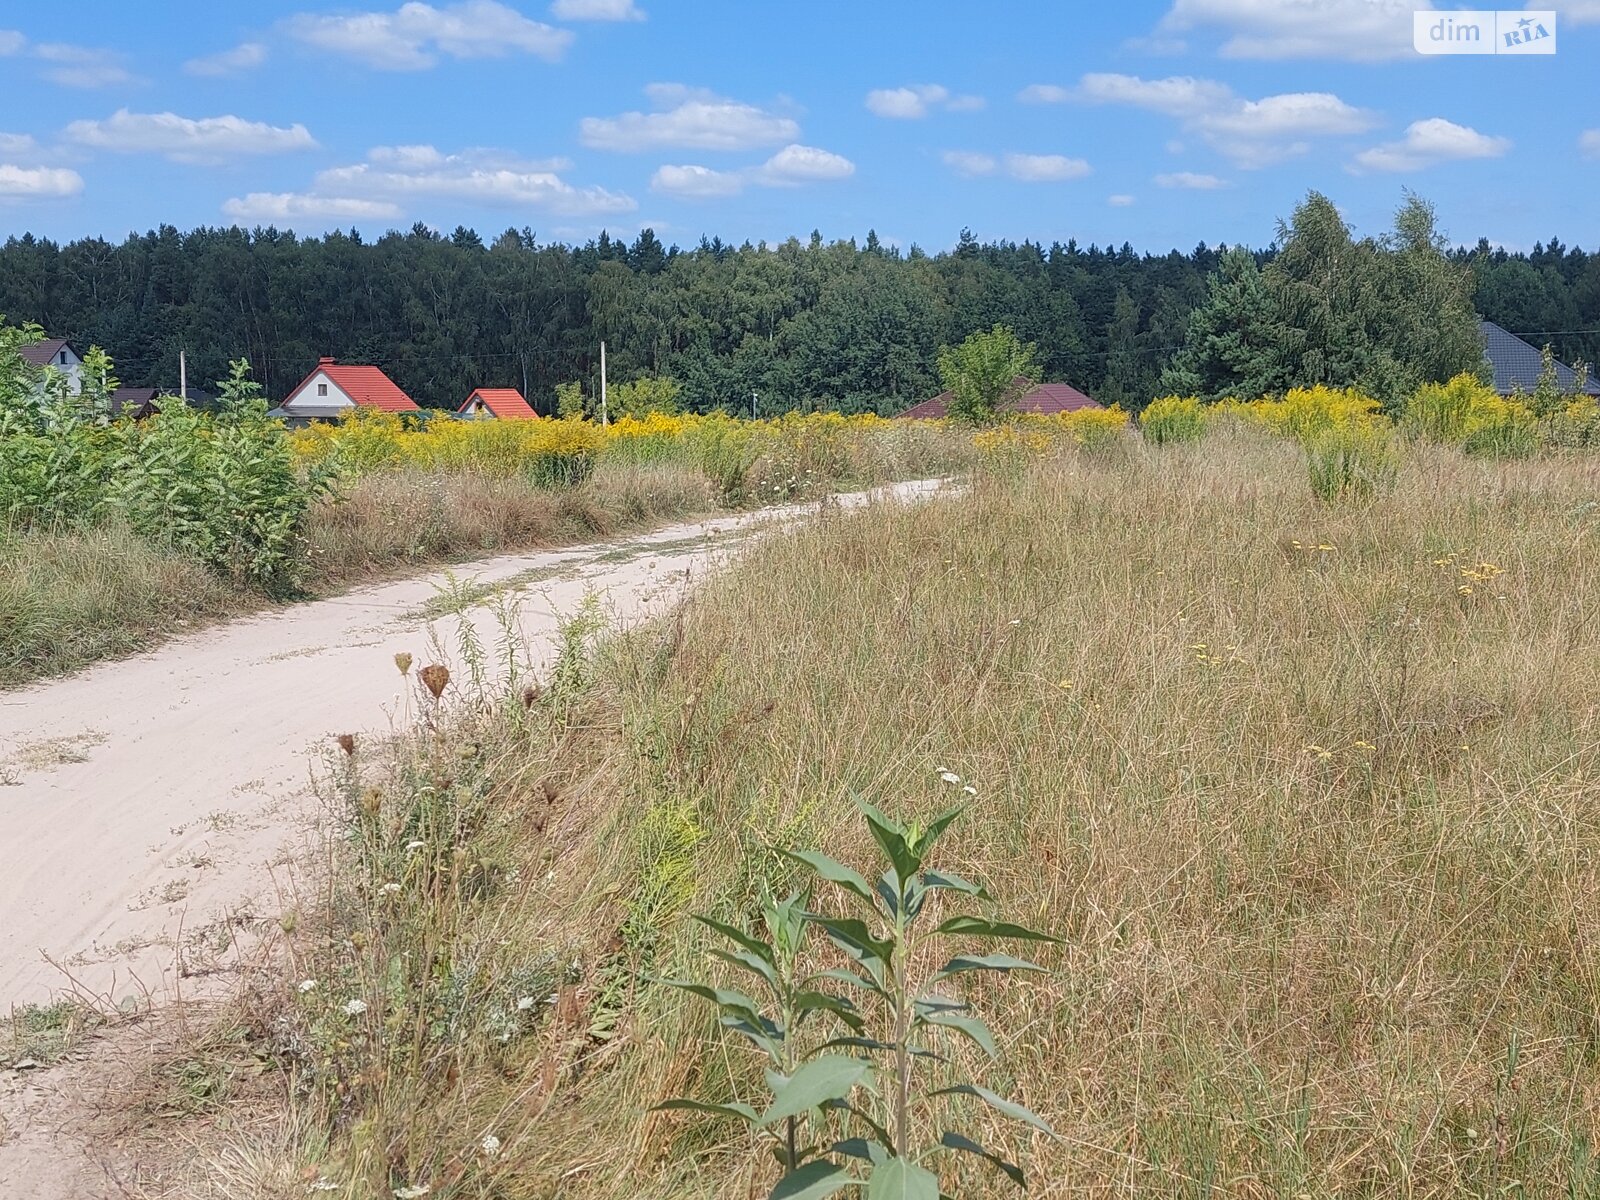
(410, 846)
(307, 985)
(491, 1145)
(524, 1003)
(1016, 623)
(391, 888)
(970, 790)
(949, 777)
(322, 1185)
(354, 1007)
(415, 1192)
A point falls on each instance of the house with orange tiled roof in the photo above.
(497, 404)
(335, 388)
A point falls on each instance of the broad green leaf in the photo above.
(955, 883)
(812, 1182)
(891, 838)
(902, 1179)
(951, 1140)
(833, 872)
(986, 962)
(743, 958)
(933, 1002)
(854, 936)
(831, 1077)
(840, 975)
(807, 1002)
(729, 1001)
(859, 1147)
(979, 927)
(865, 1043)
(753, 944)
(969, 1026)
(743, 1111)
(938, 825)
(1000, 1104)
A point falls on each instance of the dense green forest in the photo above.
(847, 325)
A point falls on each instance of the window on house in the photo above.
(322, 389)
(63, 358)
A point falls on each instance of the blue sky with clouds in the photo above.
(1162, 123)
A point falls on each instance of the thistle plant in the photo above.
(846, 1077)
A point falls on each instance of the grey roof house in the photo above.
(1517, 364)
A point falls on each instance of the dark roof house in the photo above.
(334, 388)
(52, 352)
(1043, 399)
(1517, 364)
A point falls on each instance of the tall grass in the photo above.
(1308, 791)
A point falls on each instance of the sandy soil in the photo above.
(158, 811)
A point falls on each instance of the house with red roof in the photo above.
(336, 388)
(1044, 399)
(497, 404)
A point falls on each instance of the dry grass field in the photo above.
(1310, 792)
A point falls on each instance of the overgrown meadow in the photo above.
(1302, 779)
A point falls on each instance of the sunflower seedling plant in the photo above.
(846, 1075)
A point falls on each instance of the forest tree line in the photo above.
(806, 324)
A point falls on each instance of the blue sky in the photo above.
(1162, 123)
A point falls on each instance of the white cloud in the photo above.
(917, 101)
(273, 207)
(13, 144)
(229, 62)
(38, 183)
(1044, 93)
(690, 118)
(186, 139)
(1589, 143)
(1120, 201)
(1428, 143)
(1191, 181)
(1250, 133)
(1578, 12)
(1360, 30)
(792, 166)
(399, 173)
(11, 42)
(413, 36)
(696, 183)
(596, 10)
(1045, 168)
(82, 66)
(970, 163)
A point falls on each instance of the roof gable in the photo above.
(1517, 364)
(367, 387)
(45, 353)
(1046, 399)
(505, 403)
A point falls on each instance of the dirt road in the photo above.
(157, 805)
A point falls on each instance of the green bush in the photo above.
(1352, 461)
(1173, 419)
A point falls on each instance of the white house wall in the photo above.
(309, 402)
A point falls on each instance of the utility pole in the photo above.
(605, 416)
(183, 377)
(753, 396)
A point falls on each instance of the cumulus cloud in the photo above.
(1044, 93)
(187, 139)
(596, 10)
(1026, 168)
(275, 207)
(38, 183)
(688, 118)
(11, 42)
(1589, 143)
(1358, 30)
(242, 57)
(792, 166)
(399, 173)
(82, 66)
(917, 101)
(1121, 200)
(970, 163)
(13, 144)
(1190, 181)
(1045, 168)
(1577, 12)
(414, 36)
(1429, 143)
(1250, 133)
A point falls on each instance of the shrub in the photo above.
(1173, 419)
(1354, 460)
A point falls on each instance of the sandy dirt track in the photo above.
(156, 806)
